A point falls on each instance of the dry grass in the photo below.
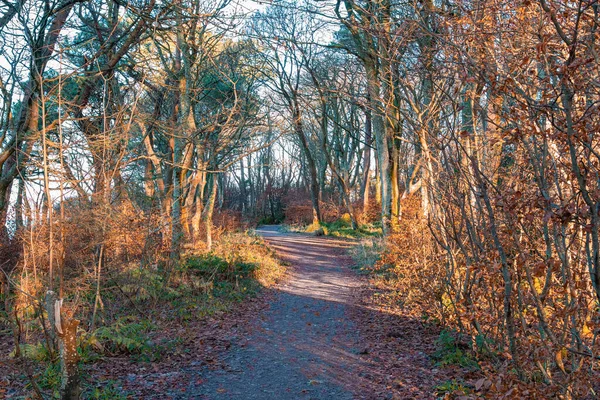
(250, 249)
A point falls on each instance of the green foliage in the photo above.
(202, 284)
(452, 387)
(215, 268)
(50, 379)
(366, 254)
(345, 221)
(110, 390)
(89, 348)
(317, 229)
(205, 264)
(485, 346)
(134, 338)
(36, 352)
(205, 283)
(270, 220)
(129, 336)
(145, 284)
(450, 352)
(342, 227)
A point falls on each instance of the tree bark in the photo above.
(66, 329)
(209, 210)
(365, 184)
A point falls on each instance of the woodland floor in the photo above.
(317, 335)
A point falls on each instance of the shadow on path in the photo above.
(305, 345)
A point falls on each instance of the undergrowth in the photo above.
(451, 351)
(452, 389)
(410, 276)
(138, 301)
(342, 227)
(366, 255)
(108, 390)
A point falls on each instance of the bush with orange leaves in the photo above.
(422, 272)
(300, 212)
(411, 266)
(113, 237)
(371, 214)
(299, 209)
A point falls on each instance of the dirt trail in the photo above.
(306, 344)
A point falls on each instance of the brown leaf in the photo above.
(559, 360)
(479, 384)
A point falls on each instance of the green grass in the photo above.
(35, 352)
(204, 283)
(366, 254)
(50, 379)
(450, 352)
(213, 267)
(342, 228)
(363, 231)
(486, 348)
(270, 220)
(201, 285)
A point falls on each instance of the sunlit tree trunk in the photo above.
(210, 208)
(365, 184)
(381, 138)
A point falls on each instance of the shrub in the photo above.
(250, 258)
(413, 265)
(316, 229)
(345, 221)
(36, 352)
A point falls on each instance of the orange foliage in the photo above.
(425, 280)
(299, 209)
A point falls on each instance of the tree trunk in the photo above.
(209, 210)
(243, 193)
(315, 194)
(18, 151)
(365, 185)
(383, 157)
(66, 329)
(395, 180)
(186, 188)
(200, 183)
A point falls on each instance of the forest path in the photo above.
(304, 346)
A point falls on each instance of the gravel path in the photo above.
(304, 346)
